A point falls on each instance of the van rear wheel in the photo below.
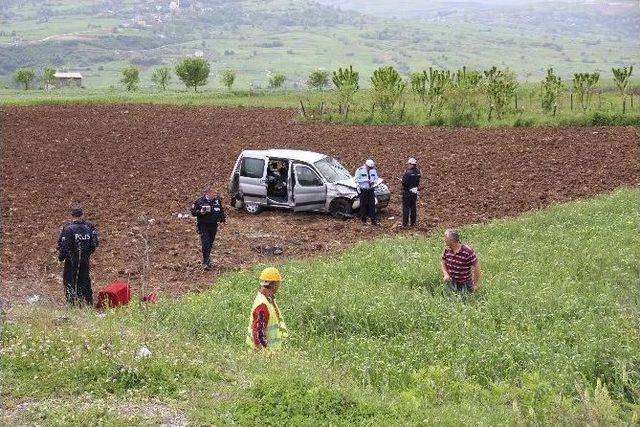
(251, 207)
(340, 208)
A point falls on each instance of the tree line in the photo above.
(436, 89)
(192, 72)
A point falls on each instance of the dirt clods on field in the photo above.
(134, 168)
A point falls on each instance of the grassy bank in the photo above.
(323, 106)
(267, 99)
(552, 338)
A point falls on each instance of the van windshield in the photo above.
(331, 170)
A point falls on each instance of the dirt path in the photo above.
(131, 164)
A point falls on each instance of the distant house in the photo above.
(68, 79)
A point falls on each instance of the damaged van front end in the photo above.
(343, 197)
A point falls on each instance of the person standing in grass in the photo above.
(459, 264)
(78, 240)
(208, 212)
(266, 325)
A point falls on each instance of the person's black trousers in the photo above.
(409, 212)
(368, 205)
(465, 288)
(207, 237)
(77, 283)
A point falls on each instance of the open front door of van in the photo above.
(309, 190)
(253, 180)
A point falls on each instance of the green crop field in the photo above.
(552, 338)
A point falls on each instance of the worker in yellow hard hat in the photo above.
(266, 326)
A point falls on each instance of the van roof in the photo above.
(300, 155)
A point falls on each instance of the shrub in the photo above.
(551, 88)
(276, 80)
(24, 77)
(318, 79)
(130, 78)
(583, 86)
(227, 78)
(621, 78)
(500, 86)
(430, 87)
(48, 77)
(347, 83)
(161, 77)
(387, 87)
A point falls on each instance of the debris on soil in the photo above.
(152, 171)
(268, 250)
(32, 299)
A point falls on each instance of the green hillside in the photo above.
(551, 339)
(255, 38)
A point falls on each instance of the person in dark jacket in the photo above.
(78, 240)
(208, 211)
(410, 184)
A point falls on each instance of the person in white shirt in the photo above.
(366, 177)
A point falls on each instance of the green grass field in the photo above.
(552, 338)
(606, 108)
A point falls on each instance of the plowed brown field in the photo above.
(134, 167)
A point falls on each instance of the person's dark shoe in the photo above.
(207, 267)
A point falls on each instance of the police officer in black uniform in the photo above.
(410, 184)
(208, 211)
(78, 240)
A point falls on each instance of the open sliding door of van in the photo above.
(253, 179)
(309, 190)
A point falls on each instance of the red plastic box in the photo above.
(114, 295)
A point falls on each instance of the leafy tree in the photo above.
(318, 79)
(193, 72)
(430, 87)
(551, 88)
(276, 80)
(161, 77)
(387, 87)
(48, 77)
(130, 77)
(467, 79)
(462, 96)
(583, 85)
(419, 84)
(227, 78)
(500, 86)
(621, 78)
(24, 76)
(346, 82)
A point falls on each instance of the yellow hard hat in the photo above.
(270, 274)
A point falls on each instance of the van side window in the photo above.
(252, 168)
(307, 178)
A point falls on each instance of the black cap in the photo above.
(76, 212)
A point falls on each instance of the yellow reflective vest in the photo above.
(276, 328)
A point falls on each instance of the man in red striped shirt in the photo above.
(459, 264)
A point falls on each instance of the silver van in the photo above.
(297, 180)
